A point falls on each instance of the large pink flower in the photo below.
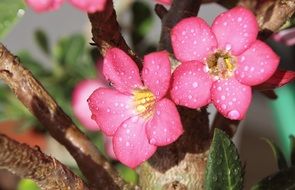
(221, 63)
(44, 5)
(165, 2)
(137, 115)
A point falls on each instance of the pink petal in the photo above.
(110, 109)
(90, 6)
(131, 144)
(192, 39)
(231, 98)
(108, 145)
(286, 36)
(165, 126)
(79, 102)
(156, 73)
(44, 5)
(256, 64)
(191, 85)
(121, 70)
(165, 2)
(235, 30)
(278, 79)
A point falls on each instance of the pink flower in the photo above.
(44, 5)
(137, 116)
(286, 36)
(79, 102)
(165, 2)
(221, 63)
(90, 6)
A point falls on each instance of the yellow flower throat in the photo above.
(144, 102)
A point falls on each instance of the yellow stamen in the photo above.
(221, 64)
(144, 102)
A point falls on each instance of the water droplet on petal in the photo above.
(152, 141)
(195, 84)
(234, 114)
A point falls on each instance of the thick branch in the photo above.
(30, 163)
(31, 93)
(107, 32)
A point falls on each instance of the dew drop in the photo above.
(195, 84)
(20, 12)
(152, 141)
(234, 114)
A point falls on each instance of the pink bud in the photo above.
(165, 2)
(90, 6)
(80, 95)
(44, 5)
(108, 145)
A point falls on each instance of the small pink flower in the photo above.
(221, 63)
(286, 36)
(137, 116)
(90, 6)
(79, 102)
(165, 2)
(44, 5)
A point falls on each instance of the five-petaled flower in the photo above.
(221, 63)
(50, 5)
(136, 115)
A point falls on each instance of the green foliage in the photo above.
(142, 20)
(224, 170)
(70, 63)
(128, 174)
(27, 184)
(42, 40)
(283, 180)
(10, 11)
(279, 156)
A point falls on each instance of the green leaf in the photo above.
(127, 174)
(42, 41)
(292, 139)
(224, 170)
(27, 184)
(279, 156)
(282, 180)
(10, 11)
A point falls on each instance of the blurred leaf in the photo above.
(27, 184)
(127, 174)
(142, 21)
(292, 139)
(282, 180)
(10, 11)
(69, 50)
(32, 64)
(224, 169)
(279, 156)
(42, 41)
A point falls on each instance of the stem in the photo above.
(37, 100)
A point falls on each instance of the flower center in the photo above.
(221, 64)
(144, 101)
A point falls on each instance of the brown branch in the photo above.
(26, 162)
(37, 100)
(227, 125)
(160, 10)
(106, 32)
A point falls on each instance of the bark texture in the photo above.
(30, 163)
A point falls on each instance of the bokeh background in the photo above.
(266, 118)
